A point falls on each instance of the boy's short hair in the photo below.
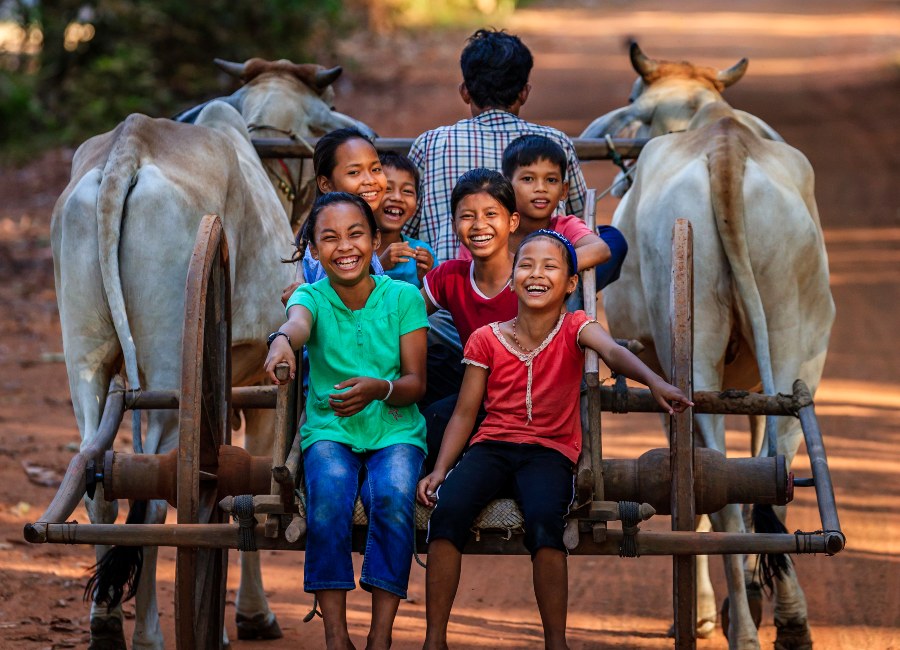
(397, 161)
(495, 68)
(528, 149)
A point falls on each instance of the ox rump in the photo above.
(122, 237)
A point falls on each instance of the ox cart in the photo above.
(209, 481)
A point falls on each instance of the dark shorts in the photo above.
(437, 417)
(541, 480)
(618, 249)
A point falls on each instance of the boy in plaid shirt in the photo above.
(495, 67)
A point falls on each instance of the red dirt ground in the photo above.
(827, 79)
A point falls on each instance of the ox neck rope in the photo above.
(529, 356)
(620, 163)
(286, 184)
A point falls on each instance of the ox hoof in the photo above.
(258, 627)
(106, 634)
(755, 602)
(705, 628)
(793, 635)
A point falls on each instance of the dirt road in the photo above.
(826, 79)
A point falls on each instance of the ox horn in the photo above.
(325, 78)
(732, 74)
(642, 64)
(234, 69)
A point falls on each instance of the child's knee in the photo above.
(330, 515)
(545, 531)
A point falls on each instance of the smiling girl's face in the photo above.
(483, 225)
(541, 275)
(358, 171)
(343, 242)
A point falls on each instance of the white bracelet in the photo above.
(390, 390)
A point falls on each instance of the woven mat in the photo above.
(502, 514)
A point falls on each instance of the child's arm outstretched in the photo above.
(457, 432)
(622, 361)
(297, 328)
(591, 251)
(407, 389)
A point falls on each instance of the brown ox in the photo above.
(122, 236)
(762, 305)
(284, 99)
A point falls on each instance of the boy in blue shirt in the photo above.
(403, 258)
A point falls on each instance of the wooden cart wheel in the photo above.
(204, 425)
(681, 443)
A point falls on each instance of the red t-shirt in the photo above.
(567, 225)
(547, 412)
(451, 286)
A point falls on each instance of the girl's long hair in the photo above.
(481, 179)
(305, 236)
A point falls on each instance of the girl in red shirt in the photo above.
(528, 370)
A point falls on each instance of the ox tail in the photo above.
(727, 156)
(116, 576)
(119, 176)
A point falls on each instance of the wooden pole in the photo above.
(835, 539)
(585, 148)
(226, 536)
(72, 488)
(681, 308)
(636, 400)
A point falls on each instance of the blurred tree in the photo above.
(103, 59)
(384, 15)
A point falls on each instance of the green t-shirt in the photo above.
(361, 343)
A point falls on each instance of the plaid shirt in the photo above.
(446, 153)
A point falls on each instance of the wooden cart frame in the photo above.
(202, 476)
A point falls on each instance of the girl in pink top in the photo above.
(528, 370)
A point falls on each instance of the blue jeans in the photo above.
(385, 479)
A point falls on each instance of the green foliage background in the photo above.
(155, 56)
(148, 56)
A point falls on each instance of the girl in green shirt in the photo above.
(366, 337)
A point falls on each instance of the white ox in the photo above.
(762, 305)
(283, 99)
(122, 235)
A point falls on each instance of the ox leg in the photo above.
(791, 621)
(791, 614)
(741, 629)
(706, 597)
(106, 623)
(254, 618)
(88, 396)
(161, 437)
(147, 631)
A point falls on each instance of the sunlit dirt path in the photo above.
(824, 76)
